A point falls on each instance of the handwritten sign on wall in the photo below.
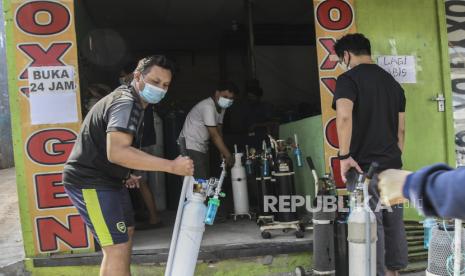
(402, 68)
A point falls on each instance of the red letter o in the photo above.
(59, 18)
(323, 15)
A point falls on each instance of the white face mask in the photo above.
(224, 102)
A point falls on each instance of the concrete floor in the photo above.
(228, 232)
(11, 242)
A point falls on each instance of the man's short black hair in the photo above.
(356, 44)
(147, 63)
(227, 85)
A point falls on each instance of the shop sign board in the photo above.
(44, 99)
(333, 19)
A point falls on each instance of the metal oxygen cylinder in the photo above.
(190, 220)
(239, 185)
(190, 233)
(248, 161)
(323, 230)
(362, 231)
(188, 182)
(283, 173)
(265, 161)
(297, 152)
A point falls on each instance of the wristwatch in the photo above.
(343, 157)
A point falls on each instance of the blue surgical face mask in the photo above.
(152, 94)
(224, 102)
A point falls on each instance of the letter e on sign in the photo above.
(50, 191)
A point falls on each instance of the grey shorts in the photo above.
(201, 163)
(391, 247)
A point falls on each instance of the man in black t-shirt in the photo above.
(104, 153)
(370, 120)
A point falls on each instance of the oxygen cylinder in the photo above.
(157, 179)
(323, 231)
(239, 187)
(265, 187)
(358, 243)
(340, 241)
(190, 236)
(284, 175)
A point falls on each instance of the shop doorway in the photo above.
(208, 41)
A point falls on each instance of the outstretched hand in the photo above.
(390, 185)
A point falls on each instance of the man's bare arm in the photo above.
(121, 152)
(401, 131)
(218, 141)
(344, 109)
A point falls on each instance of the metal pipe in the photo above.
(458, 247)
(249, 7)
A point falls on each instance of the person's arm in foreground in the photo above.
(121, 152)
(344, 109)
(436, 190)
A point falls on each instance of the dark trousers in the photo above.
(391, 247)
(201, 164)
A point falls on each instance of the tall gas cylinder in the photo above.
(358, 243)
(283, 172)
(239, 186)
(157, 179)
(341, 251)
(190, 236)
(323, 230)
(265, 188)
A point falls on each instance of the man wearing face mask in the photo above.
(106, 150)
(204, 122)
(370, 106)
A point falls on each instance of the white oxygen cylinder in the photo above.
(190, 236)
(239, 186)
(157, 179)
(358, 243)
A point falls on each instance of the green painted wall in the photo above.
(310, 134)
(416, 27)
(239, 267)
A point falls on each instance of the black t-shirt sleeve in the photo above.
(403, 101)
(345, 89)
(123, 115)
